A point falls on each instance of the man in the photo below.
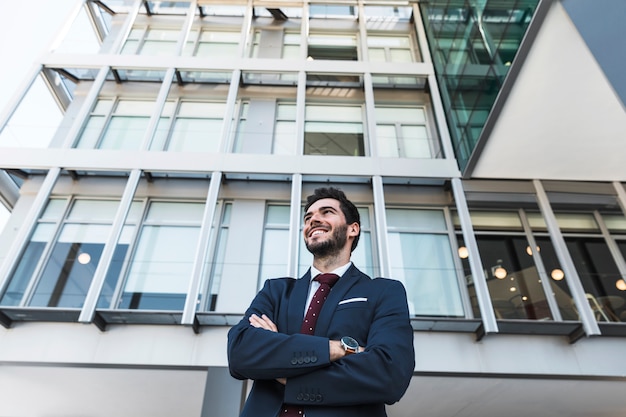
(358, 356)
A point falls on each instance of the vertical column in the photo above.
(480, 283)
(380, 221)
(229, 113)
(571, 275)
(294, 226)
(206, 231)
(370, 113)
(541, 269)
(458, 264)
(301, 88)
(99, 276)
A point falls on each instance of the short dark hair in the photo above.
(349, 210)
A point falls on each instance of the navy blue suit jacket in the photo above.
(373, 311)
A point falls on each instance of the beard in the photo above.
(330, 246)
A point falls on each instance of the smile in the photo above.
(317, 232)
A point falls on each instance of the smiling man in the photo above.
(334, 343)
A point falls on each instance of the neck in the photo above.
(330, 262)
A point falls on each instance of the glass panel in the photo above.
(333, 143)
(54, 209)
(556, 278)
(512, 278)
(214, 265)
(487, 220)
(387, 141)
(68, 273)
(572, 222)
(28, 263)
(91, 132)
(615, 222)
(201, 135)
(415, 143)
(160, 268)
(416, 220)
(407, 115)
(334, 113)
(124, 133)
(284, 138)
(175, 212)
(599, 275)
(34, 122)
(93, 211)
(423, 263)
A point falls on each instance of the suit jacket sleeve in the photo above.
(380, 374)
(261, 354)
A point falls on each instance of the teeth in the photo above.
(317, 232)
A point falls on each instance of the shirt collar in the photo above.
(339, 271)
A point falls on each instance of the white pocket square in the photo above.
(352, 300)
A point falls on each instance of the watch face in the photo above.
(350, 343)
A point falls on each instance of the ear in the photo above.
(354, 229)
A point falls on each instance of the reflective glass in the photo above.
(67, 276)
(423, 261)
(27, 265)
(599, 275)
(160, 268)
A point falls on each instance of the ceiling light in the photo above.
(84, 258)
(463, 252)
(557, 274)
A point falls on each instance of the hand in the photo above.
(262, 322)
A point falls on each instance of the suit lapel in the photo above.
(337, 294)
(298, 297)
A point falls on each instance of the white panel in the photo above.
(243, 252)
(561, 115)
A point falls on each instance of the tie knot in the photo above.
(328, 279)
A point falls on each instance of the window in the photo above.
(160, 267)
(36, 118)
(116, 124)
(212, 43)
(334, 130)
(421, 257)
(275, 44)
(595, 263)
(326, 11)
(401, 132)
(195, 127)
(390, 48)
(333, 47)
(234, 261)
(59, 261)
(255, 135)
(275, 243)
(516, 285)
(151, 41)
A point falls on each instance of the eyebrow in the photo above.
(308, 213)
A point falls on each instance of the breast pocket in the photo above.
(352, 318)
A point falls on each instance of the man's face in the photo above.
(325, 228)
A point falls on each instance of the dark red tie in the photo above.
(308, 325)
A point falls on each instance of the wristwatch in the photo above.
(349, 345)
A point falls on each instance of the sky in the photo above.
(27, 28)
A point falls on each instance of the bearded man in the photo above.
(333, 343)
